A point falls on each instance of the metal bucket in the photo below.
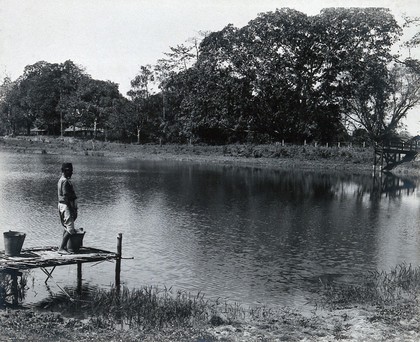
(13, 242)
(75, 242)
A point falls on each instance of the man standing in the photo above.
(67, 205)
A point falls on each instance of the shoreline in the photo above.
(344, 159)
(348, 323)
(353, 160)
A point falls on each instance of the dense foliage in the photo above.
(284, 76)
(52, 97)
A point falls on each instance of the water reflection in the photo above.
(245, 234)
(393, 186)
(12, 288)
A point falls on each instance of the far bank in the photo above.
(350, 158)
(337, 158)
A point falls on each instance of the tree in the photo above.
(211, 96)
(277, 56)
(11, 116)
(384, 99)
(377, 93)
(120, 120)
(180, 57)
(39, 95)
(177, 62)
(140, 95)
(69, 83)
(99, 100)
(414, 40)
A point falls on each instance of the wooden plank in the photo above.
(49, 257)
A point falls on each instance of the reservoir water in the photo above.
(241, 234)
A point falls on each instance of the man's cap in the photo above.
(66, 166)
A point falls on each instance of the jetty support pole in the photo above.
(118, 262)
(15, 290)
(79, 277)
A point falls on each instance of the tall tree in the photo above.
(373, 90)
(140, 95)
(11, 116)
(39, 94)
(384, 98)
(99, 99)
(70, 81)
(215, 104)
(355, 49)
(277, 54)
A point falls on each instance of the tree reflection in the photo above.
(386, 185)
(393, 186)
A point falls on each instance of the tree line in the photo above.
(284, 76)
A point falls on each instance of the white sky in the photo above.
(113, 38)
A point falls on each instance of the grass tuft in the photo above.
(147, 308)
(379, 288)
(394, 294)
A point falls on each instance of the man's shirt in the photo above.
(66, 193)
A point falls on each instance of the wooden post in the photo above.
(79, 278)
(118, 262)
(117, 276)
(15, 290)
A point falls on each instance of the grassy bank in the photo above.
(353, 159)
(384, 306)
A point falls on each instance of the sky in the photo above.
(111, 39)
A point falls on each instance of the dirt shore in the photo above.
(343, 324)
(351, 323)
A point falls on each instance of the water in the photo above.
(249, 235)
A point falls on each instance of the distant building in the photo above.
(38, 131)
(76, 131)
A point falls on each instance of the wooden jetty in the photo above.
(48, 257)
(41, 257)
(391, 154)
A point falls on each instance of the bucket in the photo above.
(13, 242)
(75, 241)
